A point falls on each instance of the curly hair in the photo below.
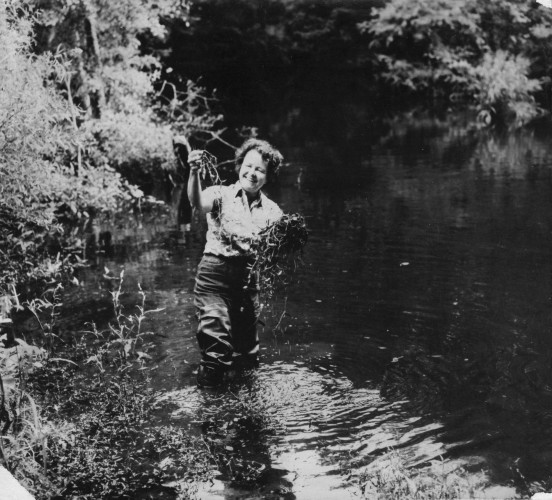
(270, 155)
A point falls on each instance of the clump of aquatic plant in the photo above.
(208, 162)
(390, 477)
(208, 168)
(275, 249)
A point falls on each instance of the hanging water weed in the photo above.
(208, 168)
(275, 250)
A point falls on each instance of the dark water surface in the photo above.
(420, 322)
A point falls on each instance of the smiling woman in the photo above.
(253, 173)
(226, 291)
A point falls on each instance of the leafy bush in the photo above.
(502, 89)
(130, 141)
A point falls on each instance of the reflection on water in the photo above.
(420, 321)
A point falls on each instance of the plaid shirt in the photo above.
(233, 223)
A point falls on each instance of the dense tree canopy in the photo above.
(116, 82)
(491, 53)
(39, 141)
(81, 105)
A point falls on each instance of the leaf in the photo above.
(62, 360)
(154, 310)
(166, 462)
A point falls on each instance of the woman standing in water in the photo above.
(226, 293)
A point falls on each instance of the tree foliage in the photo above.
(82, 112)
(38, 140)
(128, 117)
(490, 53)
(271, 35)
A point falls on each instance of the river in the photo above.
(418, 322)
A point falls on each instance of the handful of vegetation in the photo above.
(208, 168)
(275, 248)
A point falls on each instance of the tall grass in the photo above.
(81, 413)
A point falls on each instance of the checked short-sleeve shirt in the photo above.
(234, 223)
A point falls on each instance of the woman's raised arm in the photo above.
(199, 198)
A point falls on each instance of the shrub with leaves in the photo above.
(503, 89)
(116, 449)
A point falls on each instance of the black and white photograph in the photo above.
(276, 249)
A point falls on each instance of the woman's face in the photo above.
(253, 172)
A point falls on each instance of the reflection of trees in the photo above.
(486, 285)
(521, 155)
(462, 328)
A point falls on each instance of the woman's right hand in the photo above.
(194, 160)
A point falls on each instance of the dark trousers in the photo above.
(227, 303)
